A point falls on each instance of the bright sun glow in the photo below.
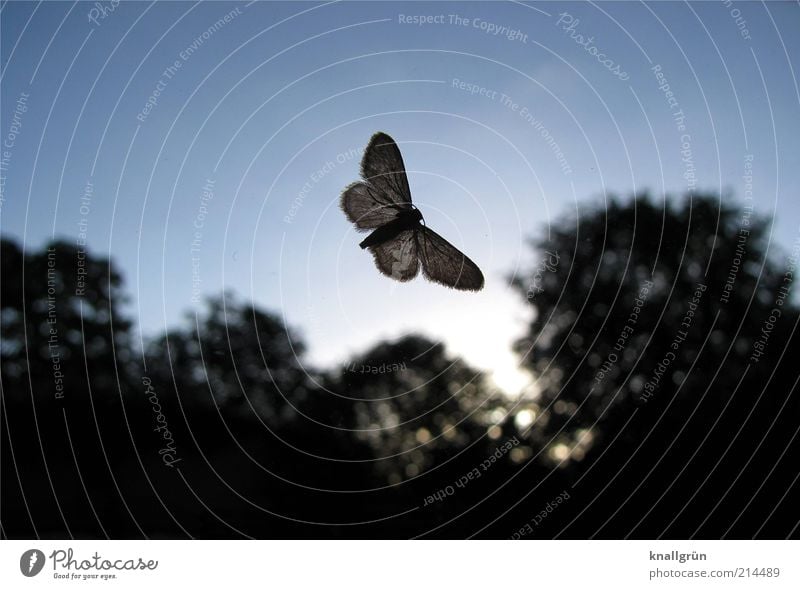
(484, 338)
(480, 330)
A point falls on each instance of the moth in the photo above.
(399, 240)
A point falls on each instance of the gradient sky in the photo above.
(276, 106)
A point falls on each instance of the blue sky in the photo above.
(264, 118)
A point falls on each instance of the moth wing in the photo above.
(365, 207)
(398, 257)
(442, 262)
(382, 167)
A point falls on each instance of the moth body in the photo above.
(406, 219)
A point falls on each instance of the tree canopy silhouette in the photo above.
(661, 342)
(65, 349)
(643, 336)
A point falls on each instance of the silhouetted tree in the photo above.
(646, 319)
(64, 350)
(414, 404)
(56, 304)
(247, 358)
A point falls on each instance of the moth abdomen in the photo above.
(389, 231)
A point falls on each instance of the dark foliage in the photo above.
(220, 428)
